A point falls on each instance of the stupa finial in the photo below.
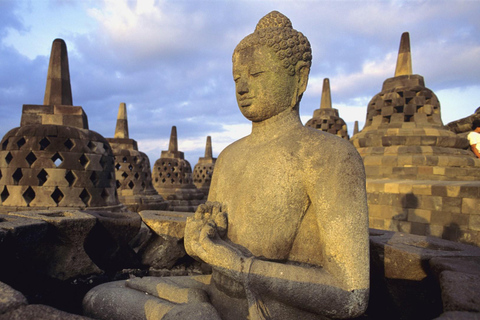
(208, 148)
(404, 60)
(121, 130)
(58, 90)
(173, 146)
(355, 128)
(326, 102)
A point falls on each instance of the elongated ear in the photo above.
(302, 69)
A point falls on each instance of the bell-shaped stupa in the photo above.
(203, 170)
(52, 168)
(421, 177)
(172, 178)
(404, 136)
(326, 118)
(132, 170)
(52, 160)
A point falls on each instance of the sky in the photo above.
(170, 61)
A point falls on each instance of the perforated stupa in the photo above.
(132, 170)
(327, 118)
(52, 160)
(203, 170)
(172, 178)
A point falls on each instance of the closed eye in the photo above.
(256, 74)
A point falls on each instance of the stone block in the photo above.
(424, 189)
(419, 215)
(460, 291)
(419, 228)
(441, 218)
(474, 222)
(52, 119)
(10, 299)
(392, 187)
(40, 312)
(470, 206)
(451, 204)
(63, 255)
(459, 315)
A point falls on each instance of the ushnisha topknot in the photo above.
(275, 31)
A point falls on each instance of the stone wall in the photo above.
(445, 209)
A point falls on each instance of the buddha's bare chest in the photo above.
(266, 200)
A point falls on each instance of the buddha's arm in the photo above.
(340, 287)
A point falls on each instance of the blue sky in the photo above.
(170, 61)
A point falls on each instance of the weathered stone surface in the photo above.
(40, 312)
(460, 291)
(285, 228)
(403, 285)
(10, 299)
(166, 247)
(459, 315)
(62, 255)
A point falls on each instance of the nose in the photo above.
(242, 87)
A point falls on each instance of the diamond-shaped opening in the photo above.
(92, 146)
(4, 195)
(57, 195)
(172, 180)
(28, 195)
(17, 176)
(104, 195)
(70, 177)
(103, 161)
(144, 186)
(31, 158)
(83, 160)
(94, 178)
(130, 167)
(131, 184)
(118, 166)
(4, 144)
(21, 142)
(42, 177)
(163, 180)
(136, 175)
(69, 144)
(57, 159)
(44, 143)
(124, 159)
(118, 184)
(85, 196)
(8, 158)
(124, 174)
(135, 159)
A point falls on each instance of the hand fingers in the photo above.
(222, 223)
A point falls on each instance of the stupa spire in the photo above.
(326, 102)
(355, 128)
(404, 60)
(121, 130)
(173, 145)
(208, 148)
(58, 90)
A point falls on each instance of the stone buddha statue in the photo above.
(285, 225)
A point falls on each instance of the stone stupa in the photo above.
(203, 170)
(421, 178)
(54, 169)
(172, 178)
(327, 118)
(132, 170)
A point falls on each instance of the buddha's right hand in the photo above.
(209, 212)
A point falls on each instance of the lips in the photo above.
(245, 102)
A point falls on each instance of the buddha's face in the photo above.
(263, 86)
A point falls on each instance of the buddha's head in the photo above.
(270, 68)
